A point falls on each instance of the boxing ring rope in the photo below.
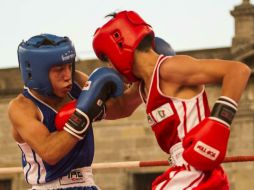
(133, 164)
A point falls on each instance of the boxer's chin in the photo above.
(61, 95)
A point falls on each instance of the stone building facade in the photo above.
(131, 138)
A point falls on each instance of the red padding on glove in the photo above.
(64, 114)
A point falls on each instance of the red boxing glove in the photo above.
(67, 110)
(205, 145)
(64, 114)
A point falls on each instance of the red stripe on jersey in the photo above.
(164, 185)
(194, 181)
(198, 108)
(169, 179)
(206, 105)
(185, 118)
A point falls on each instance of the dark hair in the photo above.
(113, 14)
(146, 43)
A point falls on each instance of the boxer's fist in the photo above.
(102, 84)
(68, 109)
(64, 114)
(163, 47)
(205, 145)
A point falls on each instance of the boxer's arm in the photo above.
(125, 105)
(185, 70)
(206, 144)
(115, 107)
(119, 107)
(80, 78)
(102, 84)
(25, 119)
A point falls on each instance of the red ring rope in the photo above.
(135, 164)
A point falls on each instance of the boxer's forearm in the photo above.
(55, 146)
(125, 105)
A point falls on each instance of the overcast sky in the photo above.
(186, 24)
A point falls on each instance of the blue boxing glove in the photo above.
(163, 47)
(102, 84)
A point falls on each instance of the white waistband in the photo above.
(176, 156)
(80, 177)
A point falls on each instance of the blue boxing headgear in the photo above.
(38, 54)
(163, 47)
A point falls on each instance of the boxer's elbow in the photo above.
(128, 106)
(122, 107)
(128, 112)
(121, 112)
(241, 69)
(246, 70)
(116, 115)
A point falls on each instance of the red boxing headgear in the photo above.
(118, 39)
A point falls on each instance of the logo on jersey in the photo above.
(87, 85)
(150, 120)
(206, 150)
(162, 112)
(75, 176)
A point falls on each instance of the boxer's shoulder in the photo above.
(21, 106)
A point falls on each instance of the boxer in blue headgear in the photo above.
(53, 156)
(38, 54)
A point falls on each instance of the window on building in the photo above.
(5, 184)
(143, 181)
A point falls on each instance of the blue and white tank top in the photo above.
(35, 169)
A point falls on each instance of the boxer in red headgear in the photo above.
(172, 87)
(120, 39)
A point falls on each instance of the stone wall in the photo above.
(8, 148)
